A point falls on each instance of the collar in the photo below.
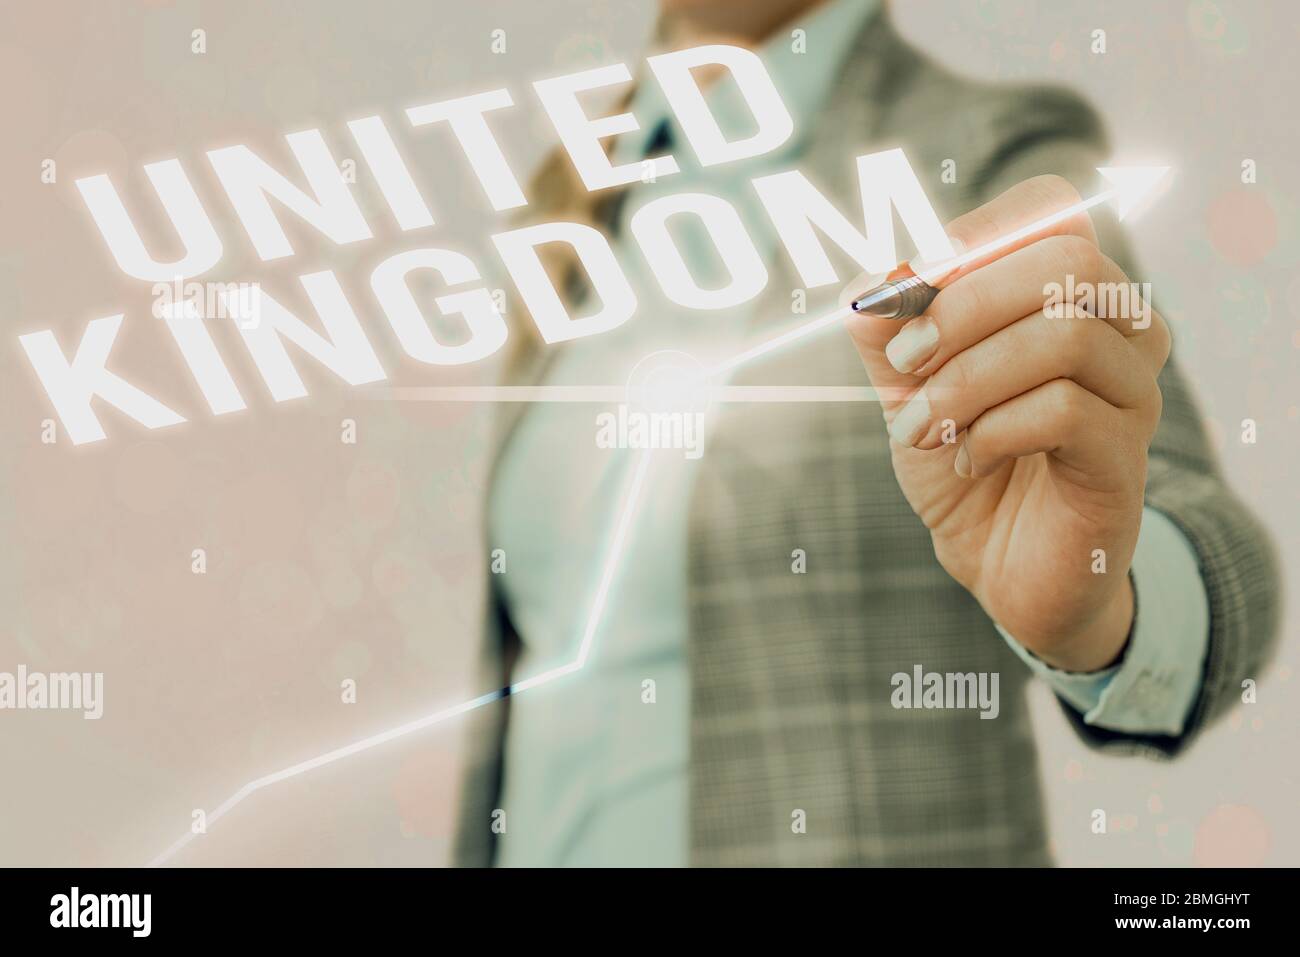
(804, 80)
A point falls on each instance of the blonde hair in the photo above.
(556, 193)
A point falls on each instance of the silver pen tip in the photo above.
(883, 301)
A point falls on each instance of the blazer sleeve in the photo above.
(1047, 130)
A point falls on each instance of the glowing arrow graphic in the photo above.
(613, 559)
(1130, 185)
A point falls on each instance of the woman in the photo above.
(771, 678)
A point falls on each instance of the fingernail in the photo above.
(912, 420)
(913, 345)
(962, 462)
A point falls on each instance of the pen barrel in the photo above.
(916, 298)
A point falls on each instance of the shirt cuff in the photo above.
(1152, 689)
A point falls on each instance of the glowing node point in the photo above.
(669, 381)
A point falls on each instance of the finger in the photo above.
(1024, 355)
(1017, 207)
(1060, 418)
(1005, 224)
(992, 226)
(1059, 269)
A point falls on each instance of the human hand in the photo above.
(1019, 434)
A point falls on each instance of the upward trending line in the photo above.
(612, 560)
(1131, 184)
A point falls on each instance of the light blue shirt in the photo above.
(596, 774)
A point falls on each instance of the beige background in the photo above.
(329, 560)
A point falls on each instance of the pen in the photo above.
(902, 295)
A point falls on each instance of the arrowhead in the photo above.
(1132, 184)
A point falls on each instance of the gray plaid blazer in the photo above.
(790, 674)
